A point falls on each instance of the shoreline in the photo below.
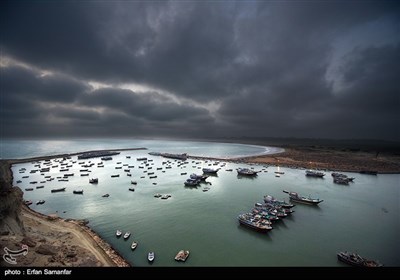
(304, 157)
(103, 251)
(321, 159)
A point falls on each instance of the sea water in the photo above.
(362, 217)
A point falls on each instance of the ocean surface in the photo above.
(362, 217)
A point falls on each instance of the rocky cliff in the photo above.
(10, 203)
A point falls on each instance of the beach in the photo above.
(54, 241)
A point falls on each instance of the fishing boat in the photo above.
(118, 233)
(356, 260)
(58, 190)
(28, 202)
(210, 170)
(294, 196)
(40, 202)
(134, 245)
(313, 173)
(201, 177)
(257, 224)
(93, 180)
(246, 172)
(182, 255)
(150, 256)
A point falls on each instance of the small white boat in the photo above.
(118, 233)
(127, 234)
(134, 245)
(150, 256)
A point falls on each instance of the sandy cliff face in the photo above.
(10, 203)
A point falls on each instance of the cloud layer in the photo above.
(200, 69)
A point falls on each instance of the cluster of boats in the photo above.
(182, 255)
(195, 179)
(342, 179)
(263, 214)
(355, 259)
(162, 196)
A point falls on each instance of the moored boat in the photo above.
(127, 234)
(257, 224)
(28, 202)
(134, 245)
(356, 260)
(313, 173)
(150, 256)
(246, 172)
(294, 196)
(118, 233)
(182, 255)
(58, 190)
(210, 170)
(78, 191)
(93, 180)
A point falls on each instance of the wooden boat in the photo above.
(313, 173)
(182, 255)
(210, 170)
(257, 224)
(58, 190)
(150, 256)
(246, 172)
(40, 202)
(356, 260)
(78, 192)
(93, 180)
(294, 196)
(28, 202)
(105, 195)
(132, 189)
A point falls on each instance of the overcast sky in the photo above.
(313, 69)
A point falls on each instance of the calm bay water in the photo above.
(361, 217)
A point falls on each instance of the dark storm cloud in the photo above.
(149, 105)
(37, 104)
(264, 62)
